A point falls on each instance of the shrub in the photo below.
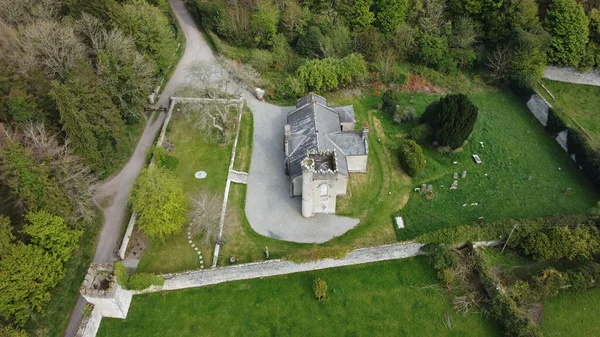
(391, 101)
(404, 114)
(452, 119)
(548, 283)
(585, 156)
(164, 160)
(412, 158)
(136, 281)
(320, 290)
(141, 281)
(557, 242)
(420, 133)
(446, 276)
(121, 274)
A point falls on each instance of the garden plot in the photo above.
(195, 150)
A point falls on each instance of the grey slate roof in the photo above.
(315, 126)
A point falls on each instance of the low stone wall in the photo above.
(202, 278)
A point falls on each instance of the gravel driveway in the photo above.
(269, 209)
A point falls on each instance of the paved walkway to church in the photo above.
(206, 277)
(269, 209)
(571, 75)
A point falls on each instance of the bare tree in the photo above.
(18, 12)
(213, 116)
(499, 62)
(51, 46)
(73, 177)
(205, 216)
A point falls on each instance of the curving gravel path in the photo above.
(571, 75)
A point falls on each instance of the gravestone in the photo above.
(455, 175)
(568, 191)
(429, 188)
(477, 159)
(417, 189)
(464, 175)
(423, 187)
(454, 185)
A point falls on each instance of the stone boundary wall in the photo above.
(269, 268)
(540, 107)
(89, 325)
(571, 75)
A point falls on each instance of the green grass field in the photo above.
(395, 298)
(515, 148)
(580, 102)
(572, 314)
(195, 153)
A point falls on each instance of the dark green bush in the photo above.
(164, 160)
(320, 290)
(420, 133)
(412, 158)
(452, 119)
(390, 101)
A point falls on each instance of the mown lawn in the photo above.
(394, 298)
(580, 102)
(515, 147)
(572, 314)
(195, 152)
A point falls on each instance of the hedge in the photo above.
(498, 230)
(136, 281)
(586, 157)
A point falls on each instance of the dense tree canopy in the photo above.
(160, 204)
(452, 120)
(568, 25)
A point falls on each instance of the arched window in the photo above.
(324, 191)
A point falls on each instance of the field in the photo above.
(524, 172)
(572, 314)
(579, 102)
(395, 298)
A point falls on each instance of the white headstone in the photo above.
(399, 222)
(200, 175)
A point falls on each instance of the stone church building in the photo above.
(321, 148)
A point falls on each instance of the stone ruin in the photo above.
(101, 289)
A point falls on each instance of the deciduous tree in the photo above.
(160, 203)
(51, 233)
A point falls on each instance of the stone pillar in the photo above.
(307, 193)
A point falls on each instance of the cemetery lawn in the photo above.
(393, 298)
(579, 102)
(195, 153)
(572, 313)
(515, 147)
